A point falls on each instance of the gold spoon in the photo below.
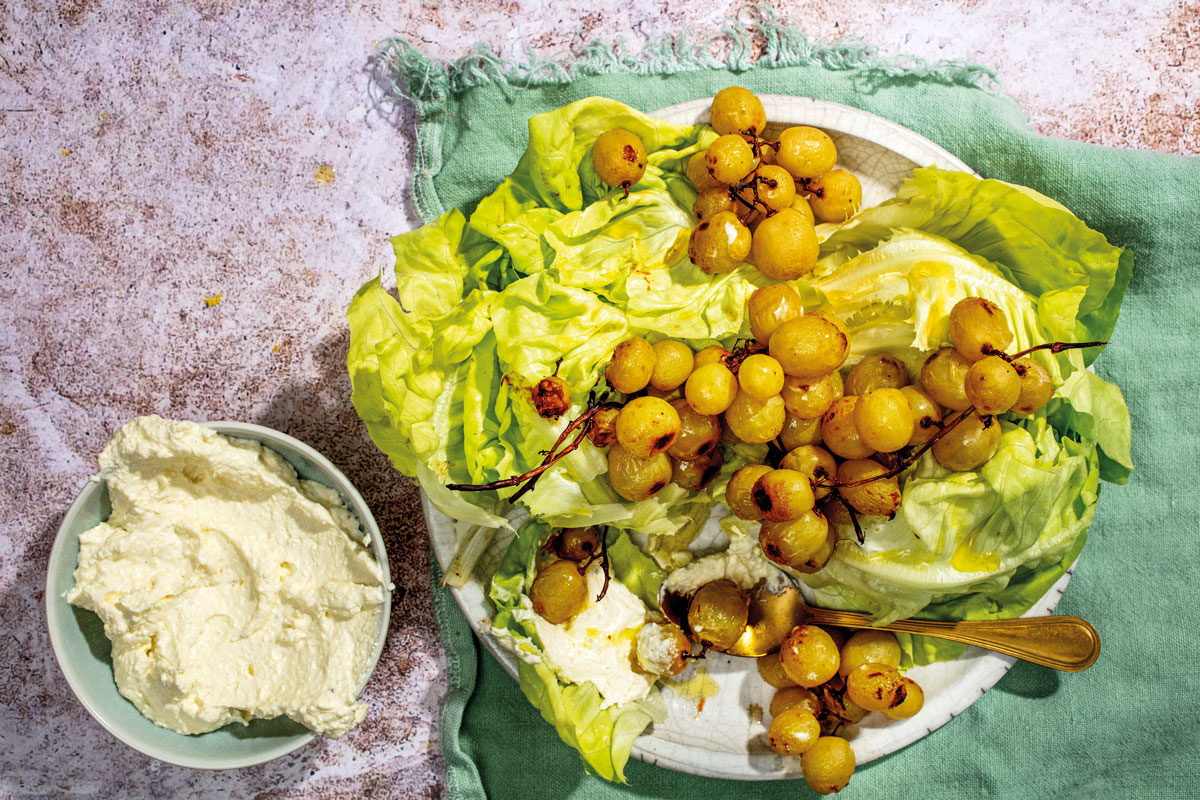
(1065, 643)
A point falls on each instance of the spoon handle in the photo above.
(1066, 643)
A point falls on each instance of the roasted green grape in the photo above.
(760, 376)
(828, 765)
(637, 478)
(805, 152)
(738, 491)
(927, 416)
(884, 419)
(619, 157)
(879, 497)
(969, 445)
(809, 655)
(698, 433)
(1037, 387)
(875, 687)
(603, 430)
(978, 328)
(719, 243)
(809, 399)
(835, 196)
(810, 346)
(914, 701)
(737, 110)
(710, 389)
(713, 201)
(869, 647)
(794, 542)
(943, 377)
(647, 425)
(755, 421)
(662, 648)
(771, 671)
(717, 614)
(713, 354)
(729, 158)
(559, 592)
(839, 431)
(782, 494)
(801, 204)
(673, 363)
(696, 474)
(771, 306)
(773, 189)
(793, 731)
(785, 245)
(576, 544)
(797, 432)
(790, 695)
(992, 385)
(816, 463)
(631, 366)
(879, 371)
(817, 561)
(697, 173)
(552, 397)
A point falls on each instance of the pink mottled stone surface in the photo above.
(170, 243)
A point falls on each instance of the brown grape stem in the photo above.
(1057, 347)
(858, 531)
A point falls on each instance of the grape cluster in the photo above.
(759, 199)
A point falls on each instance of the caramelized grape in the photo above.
(771, 306)
(884, 419)
(559, 592)
(717, 614)
(773, 189)
(1037, 387)
(710, 389)
(978, 328)
(828, 765)
(619, 157)
(647, 425)
(719, 243)
(631, 366)
(913, 702)
(662, 648)
(927, 416)
(992, 385)
(737, 110)
(673, 364)
(835, 196)
(943, 377)
(552, 397)
(793, 731)
(969, 445)
(755, 421)
(603, 430)
(817, 561)
(809, 655)
(696, 474)
(794, 542)
(713, 354)
(576, 544)
(880, 371)
(840, 433)
(698, 434)
(814, 462)
(637, 478)
(869, 647)
(879, 497)
(729, 158)
(785, 245)
(771, 671)
(875, 687)
(782, 494)
(737, 491)
(713, 201)
(760, 376)
(790, 695)
(805, 152)
(810, 346)
(697, 173)
(809, 399)
(797, 432)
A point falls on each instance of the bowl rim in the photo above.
(56, 606)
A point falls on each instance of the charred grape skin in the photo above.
(805, 152)
(992, 385)
(696, 474)
(792, 696)
(647, 425)
(809, 655)
(719, 243)
(771, 306)
(793, 731)
(559, 592)
(577, 544)
(835, 196)
(811, 346)
(673, 363)
(736, 109)
(729, 159)
(878, 371)
(782, 494)
(760, 376)
(631, 366)
(815, 462)
(710, 389)
(738, 491)
(713, 201)
(698, 433)
(913, 702)
(1037, 387)
(943, 377)
(619, 157)
(797, 432)
(603, 430)
(770, 188)
(808, 399)
(875, 687)
(978, 328)
(884, 419)
(969, 445)
(879, 497)
(697, 173)
(771, 671)
(839, 433)
(869, 647)
(636, 478)
(551, 397)
(794, 542)
(927, 416)
(717, 614)
(785, 245)
(828, 765)
(755, 421)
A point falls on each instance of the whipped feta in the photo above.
(742, 562)
(229, 588)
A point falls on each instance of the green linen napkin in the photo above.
(1127, 725)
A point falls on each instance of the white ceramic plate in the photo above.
(727, 738)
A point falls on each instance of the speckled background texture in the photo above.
(190, 194)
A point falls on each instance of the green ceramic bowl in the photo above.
(84, 652)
